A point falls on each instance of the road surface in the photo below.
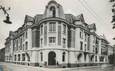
(16, 67)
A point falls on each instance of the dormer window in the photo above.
(53, 11)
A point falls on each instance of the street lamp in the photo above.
(7, 20)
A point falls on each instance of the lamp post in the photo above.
(7, 20)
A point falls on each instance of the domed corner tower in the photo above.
(53, 9)
(53, 36)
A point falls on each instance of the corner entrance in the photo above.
(51, 58)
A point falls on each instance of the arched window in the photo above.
(52, 9)
(63, 56)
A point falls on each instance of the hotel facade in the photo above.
(56, 39)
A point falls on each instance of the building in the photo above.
(2, 55)
(110, 54)
(56, 39)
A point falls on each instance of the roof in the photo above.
(92, 26)
(37, 18)
(80, 18)
(28, 19)
(70, 18)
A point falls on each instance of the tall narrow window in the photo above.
(45, 34)
(26, 45)
(41, 56)
(64, 28)
(41, 29)
(15, 58)
(81, 34)
(81, 45)
(59, 33)
(18, 57)
(23, 57)
(85, 37)
(53, 11)
(26, 34)
(85, 47)
(64, 42)
(63, 57)
(52, 27)
(41, 41)
(96, 58)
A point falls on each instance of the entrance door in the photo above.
(51, 58)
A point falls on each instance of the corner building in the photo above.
(56, 39)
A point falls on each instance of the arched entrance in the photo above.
(51, 58)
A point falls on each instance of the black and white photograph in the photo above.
(57, 35)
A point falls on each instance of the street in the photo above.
(15, 67)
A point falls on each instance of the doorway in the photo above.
(51, 58)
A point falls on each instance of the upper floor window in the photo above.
(64, 42)
(85, 47)
(26, 34)
(81, 45)
(41, 41)
(85, 37)
(52, 39)
(52, 27)
(26, 45)
(64, 29)
(81, 34)
(41, 29)
(53, 11)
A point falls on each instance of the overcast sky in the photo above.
(95, 11)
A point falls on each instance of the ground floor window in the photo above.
(63, 56)
(23, 57)
(41, 56)
(18, 57)
(15, 58)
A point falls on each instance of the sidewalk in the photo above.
(17, 67)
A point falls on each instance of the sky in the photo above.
(94, 11)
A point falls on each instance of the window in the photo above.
(26, 45)
(52, 9)
(41, 41)
(96, 58)
(52, 27)
(52, 39)
(18, 57)
(41, 29)
(81, 33)
(26, 34)
(15, 58)
(64, 42)
(81, 45)
(23, 47)
(59, 33)
(64, 29)
(85, 47)
(93, 48)
(63, 57)
(23, 57)
(21, 43)
(85, 37)
(41, 56)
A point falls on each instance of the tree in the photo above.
(113, 11)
